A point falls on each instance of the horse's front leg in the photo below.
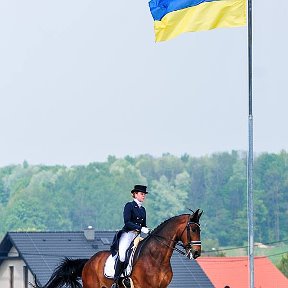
(165, 276)
(150, 276)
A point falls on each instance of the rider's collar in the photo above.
(138, 202)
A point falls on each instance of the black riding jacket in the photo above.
(134, 217)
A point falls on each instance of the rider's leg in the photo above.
(118, 271)
(124, 242)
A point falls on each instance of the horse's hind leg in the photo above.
(94, 282)
(93, 276)
(90, 282)
(93, 272)
(89, 276)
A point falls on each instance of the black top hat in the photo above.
(140, 188)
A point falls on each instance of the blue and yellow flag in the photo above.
(173, 17)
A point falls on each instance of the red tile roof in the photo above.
(233, 272)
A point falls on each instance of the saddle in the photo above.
(109, 267)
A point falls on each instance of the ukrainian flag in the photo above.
(173, 17)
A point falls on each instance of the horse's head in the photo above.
(191, 239)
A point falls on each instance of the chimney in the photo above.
(89, 233)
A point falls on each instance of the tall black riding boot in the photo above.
(118, 271)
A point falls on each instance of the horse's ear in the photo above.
(196, 216)
(200, 214)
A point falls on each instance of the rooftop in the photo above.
(43, 251)
(233, 272)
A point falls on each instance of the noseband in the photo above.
(190, 243)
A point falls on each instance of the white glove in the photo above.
(145, 230)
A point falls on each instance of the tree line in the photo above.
(49, 198)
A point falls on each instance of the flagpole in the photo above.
(228, 16)
(250, 205)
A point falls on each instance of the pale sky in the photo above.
(81, 80)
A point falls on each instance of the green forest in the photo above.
(49, 198)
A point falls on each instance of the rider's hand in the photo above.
(145, 230)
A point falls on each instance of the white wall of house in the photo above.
(18, 272)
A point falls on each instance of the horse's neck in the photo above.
(174, 228)
(165, 238)
(168, 233)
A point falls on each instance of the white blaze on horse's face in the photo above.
(193, 248)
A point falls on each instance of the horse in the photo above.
(151, 266)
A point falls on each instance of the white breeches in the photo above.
(124, 242)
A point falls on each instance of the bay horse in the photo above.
(151, 268)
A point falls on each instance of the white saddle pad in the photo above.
(109, 270)
(109, 267)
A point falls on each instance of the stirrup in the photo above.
(115, 285)
(126, 282)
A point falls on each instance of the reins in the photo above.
(171, 240)
(167, 242)
(188, 245)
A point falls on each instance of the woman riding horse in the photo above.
(134, 215)
(151, 268)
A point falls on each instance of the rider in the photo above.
(134, 215)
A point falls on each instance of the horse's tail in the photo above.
(67, 274)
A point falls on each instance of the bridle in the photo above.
(188, 247)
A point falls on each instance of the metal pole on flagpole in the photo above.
(250, 205)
